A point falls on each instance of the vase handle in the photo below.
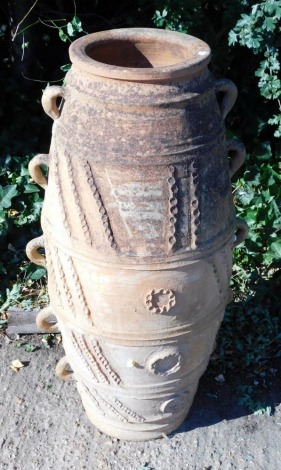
(49, 100)
(32, 251)
(229, 95)
(35, 171)
(43, 324)
(241, 233)
(237, 154)
(63, 370)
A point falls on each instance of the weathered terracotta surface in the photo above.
(138, 224)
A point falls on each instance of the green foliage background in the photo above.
(245, 39)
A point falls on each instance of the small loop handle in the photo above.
(49, 100)
(237, 154)
(35, 171)
(229, 91)
(63, 370)
(43, 323)
(241, 232)
(32, 251)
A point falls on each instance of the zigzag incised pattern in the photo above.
(173, 190)
(194, 203)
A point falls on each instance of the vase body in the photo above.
(138, 224)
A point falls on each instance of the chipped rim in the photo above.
(81, 60)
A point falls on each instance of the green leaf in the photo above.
(275, 248)
(74, 27)
(250, 217)
(66, 67)
(27, 304)
(6, 195)
(31, 188)
(232, 38)
(38, 274)
(62, 35)
(30, 348)
(244, 21)
(2, 216)
(268, 24)
(70, 29)
(245, 195)
(13, 296)
(77, 25)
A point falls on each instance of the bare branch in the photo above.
(21, 21)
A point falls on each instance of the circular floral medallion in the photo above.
(160, 300)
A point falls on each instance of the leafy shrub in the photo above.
(20, 209)
(260, 31)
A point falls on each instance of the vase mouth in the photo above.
(139, 54)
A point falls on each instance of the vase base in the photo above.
(159, 431)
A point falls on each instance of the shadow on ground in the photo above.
(216, 402)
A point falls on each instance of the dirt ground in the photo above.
(43, 425)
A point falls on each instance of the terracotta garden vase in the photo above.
(138, 224)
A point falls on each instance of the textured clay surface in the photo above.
(139, 224)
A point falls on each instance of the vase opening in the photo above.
(139, 54)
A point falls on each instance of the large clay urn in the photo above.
(138, 224)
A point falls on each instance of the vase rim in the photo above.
(139, 54)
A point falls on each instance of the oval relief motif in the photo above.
(164, 362)
(175, 404)
(160, 300)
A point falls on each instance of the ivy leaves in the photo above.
(20, 200)
(260, 32)
(269, 83)
(6, 195)
(71, 29)
(252, 30)
(257, 196)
